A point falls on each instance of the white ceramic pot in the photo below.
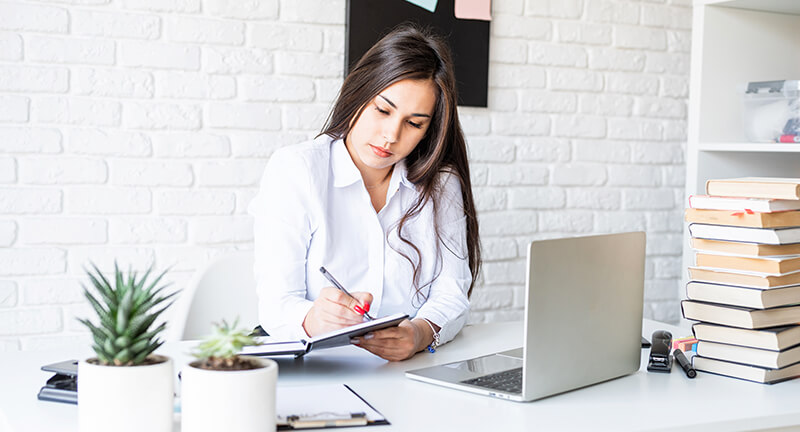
(125, 398)
(241, 401)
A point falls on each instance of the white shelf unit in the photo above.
(735, 42)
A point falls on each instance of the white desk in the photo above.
(641, 401)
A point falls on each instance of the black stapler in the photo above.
(660, 360)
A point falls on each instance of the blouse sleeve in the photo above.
(448, 305)
(282, 230)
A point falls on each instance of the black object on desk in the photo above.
(660, 360)
(63, 386)
(684, 363)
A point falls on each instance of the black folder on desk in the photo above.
(270, 347)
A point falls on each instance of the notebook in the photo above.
(271, 347)
(583, 322)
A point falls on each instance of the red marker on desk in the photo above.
(789, 139)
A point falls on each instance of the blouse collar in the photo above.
(346, 173)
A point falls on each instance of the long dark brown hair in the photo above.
(411, 52)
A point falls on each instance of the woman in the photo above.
(381, 199)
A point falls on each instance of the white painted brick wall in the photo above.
(24, 79)
(286, 37)
(230, 173)
(24, 200)
(115, 24)
(62, 231)
(112, 83)
(312, 11)
(147, 230)
(190, 85)
(8, 294)
(32, 261)
(138, 130)
(108, 200)
(151, 173)
(47, 49)
(237, 60)
(188, 6)
(148, 115)
(158, 55)
(8, 233)
(203, 30)
(195, 202)
(10, 46)
(8, 170)
(62, 110)
(54, 170)
(33, 18)
(262, 9)
(243, 116)
(89, 141)
(276, 89)
(190, 144)
(14, 109)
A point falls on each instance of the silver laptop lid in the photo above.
(583, 319)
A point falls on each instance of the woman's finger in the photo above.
(346, 308)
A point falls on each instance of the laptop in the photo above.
(583, 322)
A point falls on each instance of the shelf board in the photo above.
(749, 147)
(780, 6)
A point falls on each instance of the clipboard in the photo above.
(269, 347)
(323, 406)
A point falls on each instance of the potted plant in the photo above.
(125, 387)
(226, 391)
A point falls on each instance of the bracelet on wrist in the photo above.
(435, 343)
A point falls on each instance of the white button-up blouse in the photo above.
(313, 210)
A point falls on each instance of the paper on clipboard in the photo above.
(323, 405)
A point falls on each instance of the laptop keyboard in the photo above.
(509, 381)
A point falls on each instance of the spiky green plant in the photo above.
(221, 349)
(126, 311)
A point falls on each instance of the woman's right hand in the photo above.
(334, 310)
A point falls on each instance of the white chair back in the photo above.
(224, 289)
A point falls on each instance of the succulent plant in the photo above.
(221, 349)
(126, 312)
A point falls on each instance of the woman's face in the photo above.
(392, 124)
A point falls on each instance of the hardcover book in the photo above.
(749, 249)
(738, 316)
(773, 338)
(772, 236)
(755, 187)
(750, 356)
(771, 265)
(746, 372)
(744, 219)
(739, 278)
(763, 205)
(755, 298)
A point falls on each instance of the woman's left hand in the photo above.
(397, 343)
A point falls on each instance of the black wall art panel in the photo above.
(369, 20)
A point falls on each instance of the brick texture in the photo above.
(138, 130)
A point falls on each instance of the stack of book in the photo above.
(744, 288)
